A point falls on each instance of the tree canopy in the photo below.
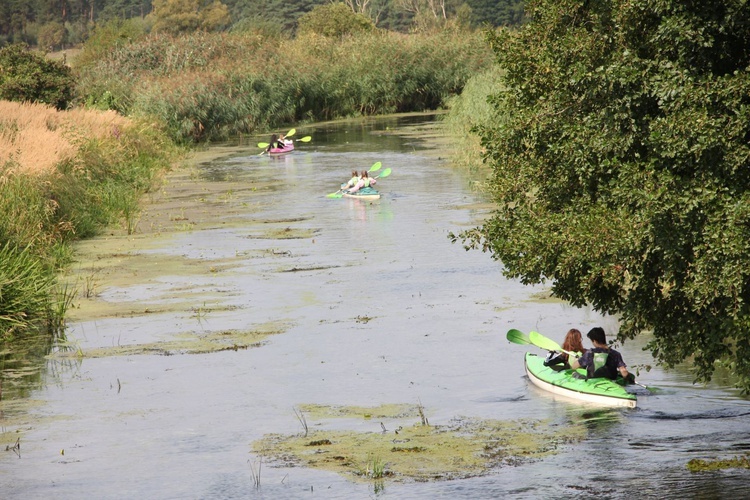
(33, 21)
(29, 77)
(621, 168)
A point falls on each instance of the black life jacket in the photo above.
(599, 368)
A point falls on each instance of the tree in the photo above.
(181, 16)
(25, 76)
(621, 165)
(51, 36)
(334, 20)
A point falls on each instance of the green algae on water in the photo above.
(413, 451)
(698, 465)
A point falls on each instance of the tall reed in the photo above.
(469, 113)
(212, 86)
(88, 173)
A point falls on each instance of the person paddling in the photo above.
(573, 343)
(352, 182)
(602, 361)
(364, 182)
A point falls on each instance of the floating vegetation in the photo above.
(187, 343)
(414, 451)
(286, 233)
(698, 465)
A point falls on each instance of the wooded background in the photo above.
(59, 24)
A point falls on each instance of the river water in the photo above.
(364, 304)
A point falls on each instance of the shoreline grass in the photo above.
(64, 175)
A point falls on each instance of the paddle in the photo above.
(540, 340)
(307, 138)
(288, 134)
(517, 337)
(385, 173)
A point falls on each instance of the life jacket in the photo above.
(366, 181)
(599, 367)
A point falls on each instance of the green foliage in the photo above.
(39, 216)
(25, 287)
(51, 36)
(497, 12)
(620, 169)
(25, 76)
(213, 86)
(468, 112)
(107, 37)
(185, 16)
(335, 20)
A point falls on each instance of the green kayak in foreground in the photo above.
(600, 391)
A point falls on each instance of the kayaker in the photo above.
(602, 361)
(274, 143)
(573, 343)
(365, 181)
(352, 182)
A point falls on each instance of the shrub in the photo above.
(25, 76)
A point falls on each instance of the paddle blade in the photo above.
(337, 194)
(307, 138)
(517, 337)
(263, 144)
(375, 167)
(385, 173)
(291, 132)
(540, 340)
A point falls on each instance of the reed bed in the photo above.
(208, 87)
(64, 175)
(36, 138)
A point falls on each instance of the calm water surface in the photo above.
(181, 426)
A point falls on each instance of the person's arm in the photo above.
(574, 364)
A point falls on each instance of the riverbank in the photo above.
(64, 176)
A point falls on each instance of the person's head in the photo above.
(354, 173)
(364, 174)
(274, 138)
(573, 341)
(597, 334)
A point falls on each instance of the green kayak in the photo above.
(366, 193)
(599, 391)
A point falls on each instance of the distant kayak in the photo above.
(288, 147)
(600, 391)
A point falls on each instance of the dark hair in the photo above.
(597, 334)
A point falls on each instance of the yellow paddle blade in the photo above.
(291, 133)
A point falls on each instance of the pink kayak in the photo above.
(288, 146)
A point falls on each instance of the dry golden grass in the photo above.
(37, 137)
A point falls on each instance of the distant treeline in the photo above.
(59, 24)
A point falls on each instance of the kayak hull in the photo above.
(368, 197)
(598, 391)
(288, 147)
(368, 194)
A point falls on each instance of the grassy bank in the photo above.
(207, 87)
(63, 176)
(469, 113)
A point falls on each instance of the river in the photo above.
(246, 298)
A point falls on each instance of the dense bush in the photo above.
(26, 76)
